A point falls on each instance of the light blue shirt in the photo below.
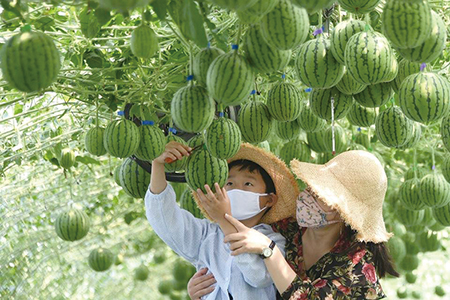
(200, 242)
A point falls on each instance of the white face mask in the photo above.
(244, 204)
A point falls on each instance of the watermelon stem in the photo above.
(238, 38)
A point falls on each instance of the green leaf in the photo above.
(191, 24)
(87, 160)
(44, 23)
(90, 26)
(160, 8)
(103, 16)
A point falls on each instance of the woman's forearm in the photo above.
(280, 271)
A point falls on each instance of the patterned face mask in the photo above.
(310, 214)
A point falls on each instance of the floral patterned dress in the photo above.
(346, 272)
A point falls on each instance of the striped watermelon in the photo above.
(432, 47)
(223, 138)
(429, 241)
(121, 138)
(286, 26)
(410, 263)
(141, 273)
(410, 195)
(368, 57)
(177, 165)
(323, 158)
(316, 141)
(413, 247)
(361, 116)
(202, 61)
(117, 175)
(442, 215)
(255, 122)
(295, 149)
(203, 168)
(405, 68)
(340, 136)
(320, 103)
(409, 217)
(316, 66)
(446, 168)
(375, 95)
(416, 134)
(407, 24)
(424, 97)
(445, 132)
(93, 141)
(133, 179)
(284, 102)
(309, 122)
(152, 142)
(253, 14)
(313, 6)
(67, 159)
(393, 70)
(397, 248)
(144, 42)
(362, 139)
(287, 130)
(358, 6)
(192, 109)
(30, 61)
(436, 226)
(393, 128)
(196, 140)
(187, 202)
(261, 56)
(100, 259)
(234, 4)
(356, 146)
(434, 190)
(230, 79)
(340, 36)
(72, 225)
(428, 219)
(410, 174)
(349, 86)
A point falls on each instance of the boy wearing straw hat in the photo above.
(258, 184)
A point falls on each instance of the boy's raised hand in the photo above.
(216, 205)
(174, 151)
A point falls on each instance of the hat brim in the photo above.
(285, 184)
(370, 226)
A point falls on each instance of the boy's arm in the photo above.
(253, 267)
(179, 229)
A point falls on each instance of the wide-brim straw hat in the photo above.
(285, 184)
(354, 183)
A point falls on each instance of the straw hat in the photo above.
(285, 184)
(354, 183)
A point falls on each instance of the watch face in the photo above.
(267, 252)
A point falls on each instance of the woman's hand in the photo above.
(216, 205)
(246, 240)
(200, 284)
(174, 151)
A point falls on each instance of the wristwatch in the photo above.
(267, 252)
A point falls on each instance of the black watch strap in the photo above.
(272, 245)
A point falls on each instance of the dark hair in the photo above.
(245, 164)
(382, 259)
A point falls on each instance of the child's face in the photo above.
(245, 180)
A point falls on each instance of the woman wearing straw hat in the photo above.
(339, 251)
